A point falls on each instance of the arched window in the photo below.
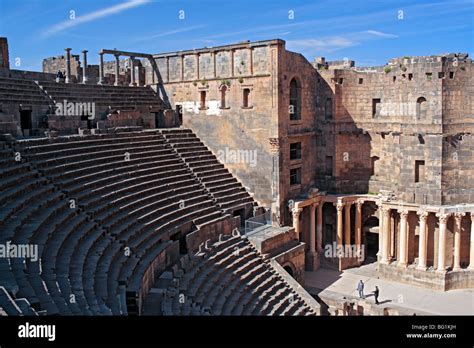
(421, 107)
(328, 109)
(295, 100)
(223, 96)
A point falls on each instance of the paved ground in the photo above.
(455, 302)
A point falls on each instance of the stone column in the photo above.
(403, 257)
(117, 69)
(232, 73)
(347, 224)
(339, 206)
(443, 220)
(68, 65)
(197, 66)
(101, 68)
(182, 67)
(296, 221)
(385, 234)
(457, 241)
(84, 68)
(167, 69)
(379, 252)
(423, 240)
(358, 223)
(132, 71)
(319, 227)
(251, 61)
(471, 251)
(312, 229)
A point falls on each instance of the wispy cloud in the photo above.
(92, 16)
(381, 34)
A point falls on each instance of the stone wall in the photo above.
(4, 55)
(229, 127)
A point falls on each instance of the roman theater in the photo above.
(235, 180)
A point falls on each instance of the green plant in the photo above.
(241, 79)
(462, 68)
(225, 82)
(407, 57)
(387, 69)
(195, 83)
(203, 82)
(242, 63)
(403, 67)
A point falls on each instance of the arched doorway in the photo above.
(289, 270)
(371, 238)
(295, 100)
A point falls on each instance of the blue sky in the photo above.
(369, 31)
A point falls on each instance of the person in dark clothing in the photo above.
(60, 74)
(376, 295)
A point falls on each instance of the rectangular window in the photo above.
(295, 176)
(361, 81)
(340, 80)
(429, 76)
(329, 165)
(295, 151)
(376, 107)
(441, 75)
(328, 109)
(451, 74)
(246, 97)
(419, 171)
(410, 76)
(203, 100)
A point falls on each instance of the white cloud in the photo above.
(381, 34)
(92, 16)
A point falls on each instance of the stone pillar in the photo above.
(443, 220)
(167, 69)
(117, 69)
(251, 61)
(68, 65)
(296, 221)
(312, 229)
(197, 66)
(385, 234)
(457, 241)
(358, 223)
(347, 224)
(471, 251)
(232, 73)
(339, 206)
(84, 68)
(132, 71)
(101, 68)
(214, 69)
(319, 227)
(182, 67)
(379, 252)
(403, 257)
(423, 240)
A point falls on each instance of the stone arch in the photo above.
(421, 107)
(294, 107)
(290, 268)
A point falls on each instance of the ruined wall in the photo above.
(225, 124)
(302, 130)
(388, 121)
(53, 64)
(4, 55)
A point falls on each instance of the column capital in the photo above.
(296, 212)
(385, 210)
(84, 51)
(458, 217)
(403, 213)
(314, 206)
(423, 214)
(68, 49)
(339, 205)
(443, 217)
(359, 204)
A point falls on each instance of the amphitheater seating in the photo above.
(227, 191)
(115, 97)
(19, 91)
(231, 278)
(83, 200)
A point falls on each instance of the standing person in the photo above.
(376, 295)
(360, 288)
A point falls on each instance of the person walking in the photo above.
(376, 295)
(360, 288)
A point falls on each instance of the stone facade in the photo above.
(4, 58)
